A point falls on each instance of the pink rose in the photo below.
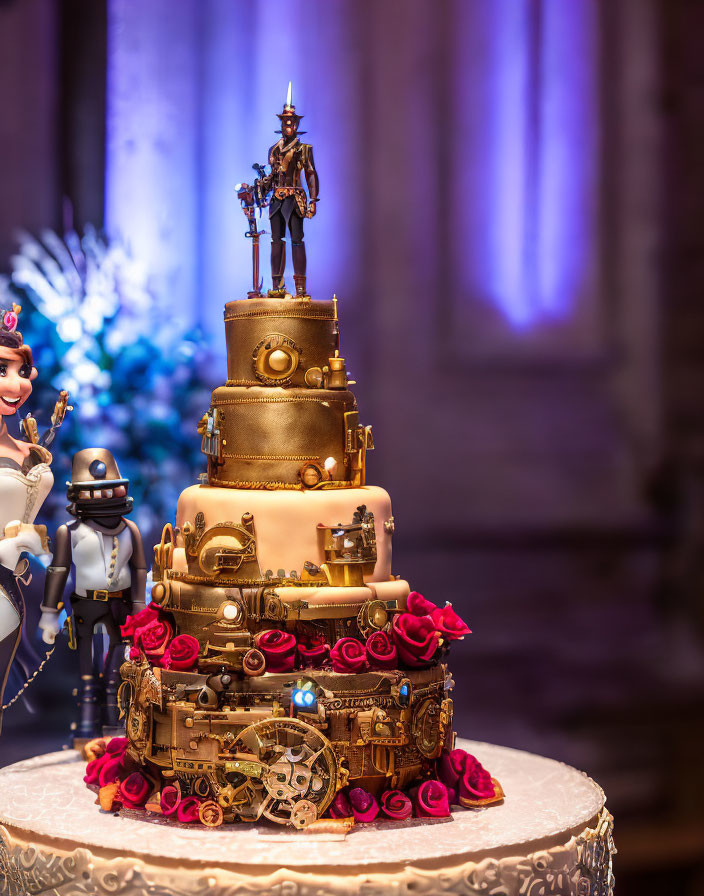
(94, 767)
(340, 806)
(188, 809)
(153, 639)
(134, 790)
(279, 649)
(431, 800)
(464, 774)
(396, 805)
(170, 799)
(313, 655)
(381, 653)
(139, 620)
(117, 746)
(449, 623)
(416, 639)
(10, 321)
(451, 766)
(348, 655)
(111, 770)
(476, 783)
(364, 807)
(419, 605)
(182, 653)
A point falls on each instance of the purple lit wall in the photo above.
(194, 88)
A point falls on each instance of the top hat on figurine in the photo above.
(289, 111)
(10, 337)
(96, 488)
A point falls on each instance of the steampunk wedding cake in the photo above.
(282, 671)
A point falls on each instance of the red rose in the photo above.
(170, 799)
(348, 655)
(416, 639)
(153, 638)
(340, 806)
(449, 623)
(364, 807)
(431, 800)
(312, 656)
(139, 620)
(135, 654)
(419, 605)
(94, 767)
(396, 805)
(182, 653)
(381, 653)
(451, 766)
(475, 783)
(111, 770)
(279, 649)
(188, 810)
(117, 746)
(134, 790)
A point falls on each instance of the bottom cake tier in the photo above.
(552, 834)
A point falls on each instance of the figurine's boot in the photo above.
(299, 267)
(89, 714)
(278, 265)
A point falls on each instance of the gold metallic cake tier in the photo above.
(280, 342)
(292, 437)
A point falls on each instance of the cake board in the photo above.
(552, 835)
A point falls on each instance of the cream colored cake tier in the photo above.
(288, 524)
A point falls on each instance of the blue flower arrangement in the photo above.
(138, 379)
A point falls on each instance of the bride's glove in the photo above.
(20, 537)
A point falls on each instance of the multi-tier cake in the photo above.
(281, 670)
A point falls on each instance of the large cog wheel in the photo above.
(300, 776)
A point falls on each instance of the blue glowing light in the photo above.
(304, 698)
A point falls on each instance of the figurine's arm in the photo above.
(312, 180)
(54, 584)
(138, 568)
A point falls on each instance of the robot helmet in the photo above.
(96, 488)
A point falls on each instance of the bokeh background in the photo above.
(510, 216)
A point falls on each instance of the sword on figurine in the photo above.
(252, 198)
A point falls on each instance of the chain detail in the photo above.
(30, 679)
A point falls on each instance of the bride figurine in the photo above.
(25, 481)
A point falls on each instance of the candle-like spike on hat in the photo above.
(289, 103)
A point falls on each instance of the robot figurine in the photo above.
(289, 204)
(106, 551)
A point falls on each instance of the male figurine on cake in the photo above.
(111, 573)
(289, 204)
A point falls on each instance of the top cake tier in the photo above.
(280, 342)
(285, 418)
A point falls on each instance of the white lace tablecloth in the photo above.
(551, 835)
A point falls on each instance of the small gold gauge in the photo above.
(314, 377)
(275, 360)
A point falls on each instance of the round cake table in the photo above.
(551, 835)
